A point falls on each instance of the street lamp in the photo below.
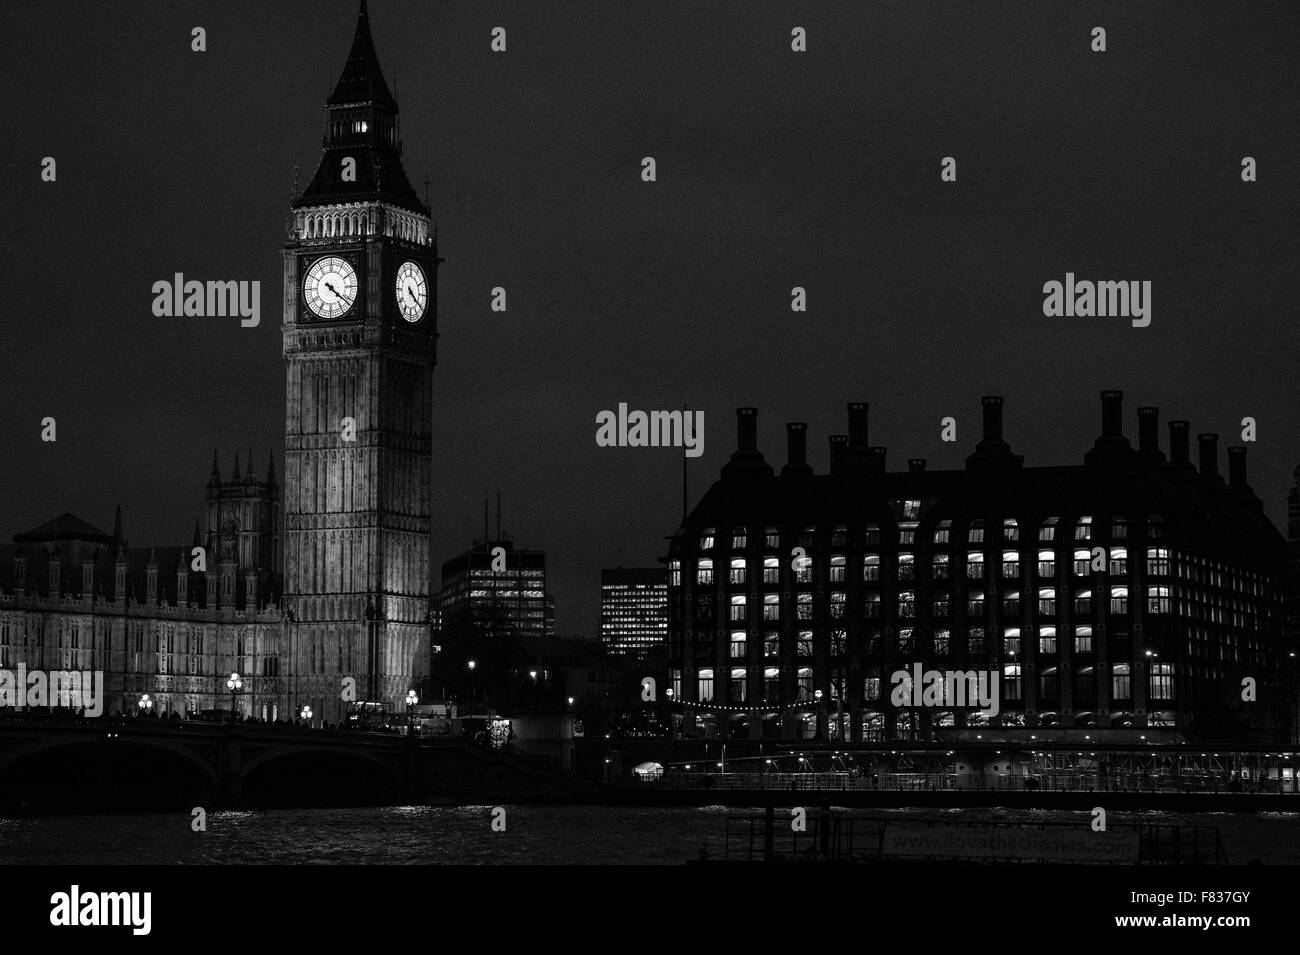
(234, 684)
(817, 695)
(146, 705)
(305, 713)
(411, 700)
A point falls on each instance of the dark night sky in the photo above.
(775, 169)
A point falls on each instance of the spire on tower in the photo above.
(249, 478)
(362, 80)
(361, 125)
(215, 477)
(236, 477)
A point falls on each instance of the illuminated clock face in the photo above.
(330, 287)
(412, 291)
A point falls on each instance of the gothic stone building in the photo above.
(1124, 598)
(73, 597)
(360, 295)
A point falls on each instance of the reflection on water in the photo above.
(543, 835)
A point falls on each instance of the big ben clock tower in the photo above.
(360, 296)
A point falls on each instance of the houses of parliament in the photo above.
(297, 582)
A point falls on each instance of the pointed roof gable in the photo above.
(65, 527)
(361, 126)
(362, 80)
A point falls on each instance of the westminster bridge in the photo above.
(71, 764)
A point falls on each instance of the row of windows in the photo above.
(941, 642)
(1158, 601)
(1115, 563)
(1083, 531)
(1160, 684)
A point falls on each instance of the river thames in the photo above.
(539, 835)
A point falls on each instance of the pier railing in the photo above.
(846, 836)
(953, 782)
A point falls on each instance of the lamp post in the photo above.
(234, 684)
(145, 704)
(411, 700)
(305, 713)
(670, 694)
(470, 665)
(817, 695)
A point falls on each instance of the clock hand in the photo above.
(412, 294)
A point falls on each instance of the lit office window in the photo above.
(1162, 681)
(1083, 639)
(704, 571)
(1011, 682)
(1120, 685)
(1046, 639)
(705, 683)
(737, 571)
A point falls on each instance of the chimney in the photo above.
(915, 465)
(796, 442)
(877, 459)
(1149, 429)
(746, 429)
(1179, 449)
(1209, 448)
(796, 439)
(992, 417)
(838, 443)
(746, 461)
(1112, 414)
(858, 424)
(1237, 468)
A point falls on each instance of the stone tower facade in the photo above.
(360, 292)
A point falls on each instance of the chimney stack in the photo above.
(746, 461)
(877, 459)
(1149, 429)
(1209, 448)
(1237, 468)
(858, 424)
(992, 417)
(915, 465)
(838, 443)
(1112, 414)
(747, 429)
(796, 438)
(1179, 447)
